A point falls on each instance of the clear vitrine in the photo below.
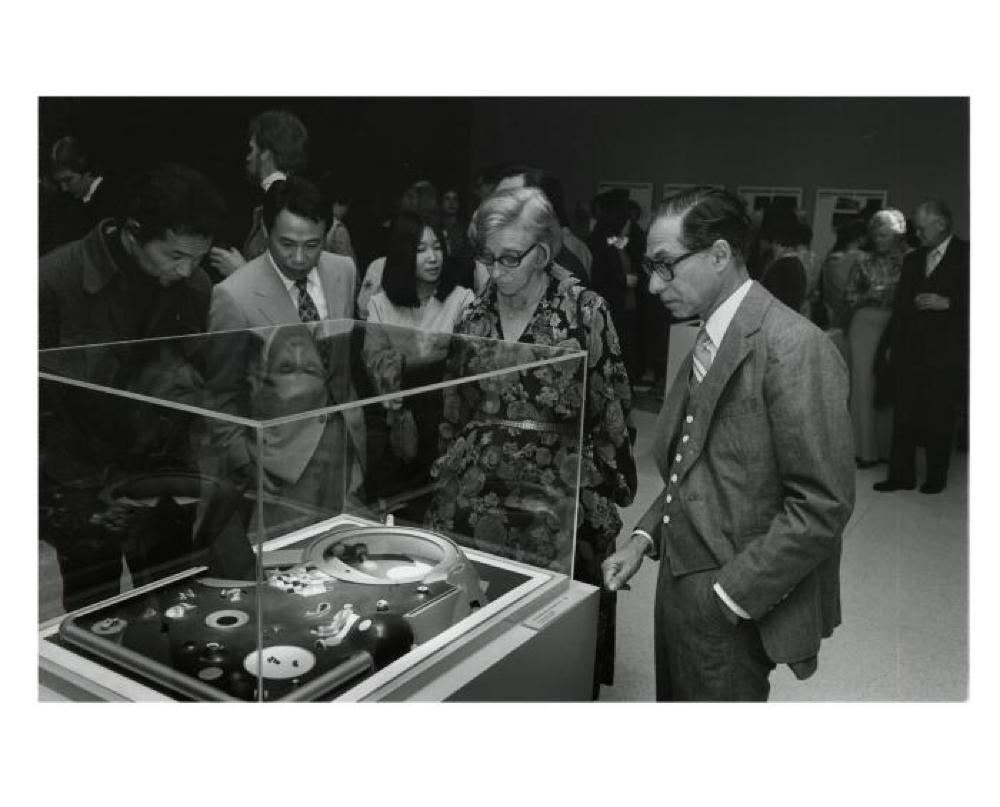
(297, 512)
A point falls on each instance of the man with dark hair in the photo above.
(277, 149)
(136, 276)
(928, 339)
(293, 281)
(754, 447)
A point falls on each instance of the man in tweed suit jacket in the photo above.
(754, 447)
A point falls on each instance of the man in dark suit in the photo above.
(928, 339)
(277, 149)
(294, 281)
(754, 447)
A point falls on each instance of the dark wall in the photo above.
(911, 147)
(374, 146)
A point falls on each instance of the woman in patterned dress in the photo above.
(509, 455)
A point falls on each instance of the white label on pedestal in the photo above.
(540, 619)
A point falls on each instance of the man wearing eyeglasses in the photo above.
(754, 448)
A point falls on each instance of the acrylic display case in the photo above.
(336, 510)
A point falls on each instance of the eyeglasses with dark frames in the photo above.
(666, 270)
(508, 261)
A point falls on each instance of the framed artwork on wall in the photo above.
(668, 188)
(834, 206)
(758, 197)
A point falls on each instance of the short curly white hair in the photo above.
(519, 207)
(890, 218)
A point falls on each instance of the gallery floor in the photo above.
(904, 586)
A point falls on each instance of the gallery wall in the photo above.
(372, 147)
(913, 148)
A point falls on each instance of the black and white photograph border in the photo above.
(913, 750)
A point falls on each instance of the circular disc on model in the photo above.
(227, 619)
(280, 661)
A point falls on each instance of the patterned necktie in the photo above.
(701, 355)
(307, 308)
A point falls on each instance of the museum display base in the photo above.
(534, 641)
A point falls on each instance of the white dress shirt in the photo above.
(271, 178)
(718, 322)
(313, 286)
(93, 187)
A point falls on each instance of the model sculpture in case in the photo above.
(329, 611)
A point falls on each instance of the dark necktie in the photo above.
(307, 308)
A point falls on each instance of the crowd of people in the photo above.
(141, 259)
(893, 293)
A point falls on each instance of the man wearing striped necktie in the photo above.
(757, 461)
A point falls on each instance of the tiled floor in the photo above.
(904, 587)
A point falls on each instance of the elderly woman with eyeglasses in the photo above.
(531, 301)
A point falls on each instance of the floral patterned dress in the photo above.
(509, 488)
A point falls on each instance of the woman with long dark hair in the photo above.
(410, 321)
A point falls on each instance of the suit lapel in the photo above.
(733, 351)
(273, 301)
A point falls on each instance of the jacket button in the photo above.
(678, 458)
(689, 419)
(685, 438)
(673, 477)
(669, 498)
(666, 519)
